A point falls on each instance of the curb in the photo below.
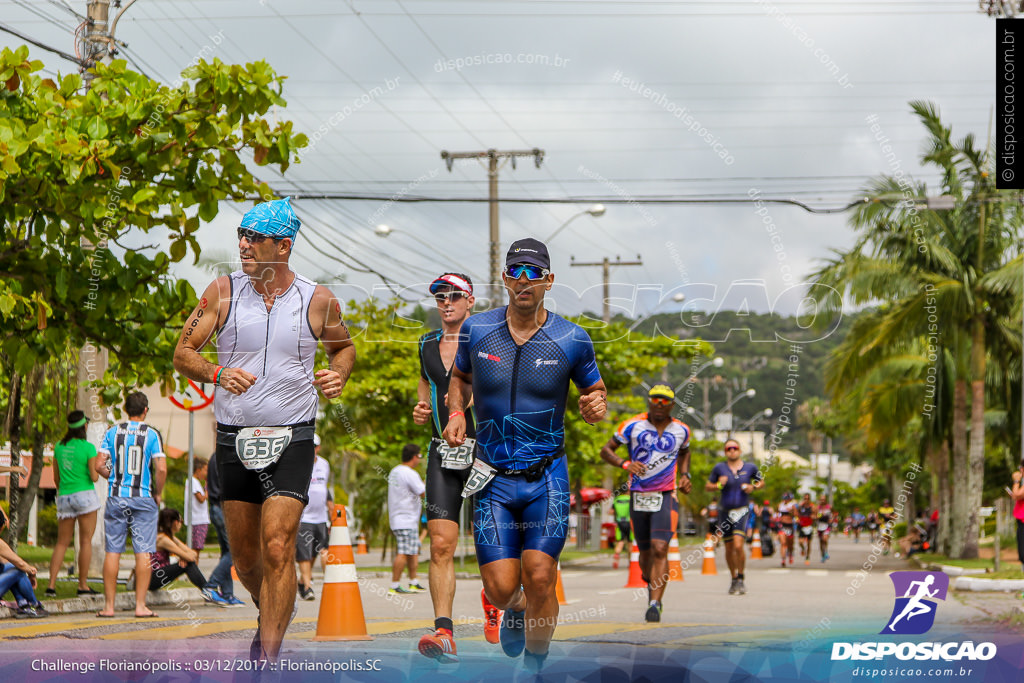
(951, 571)
(122, 601)
(968, 583)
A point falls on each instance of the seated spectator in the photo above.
(168, 524)
(18, 577)
(916, 540)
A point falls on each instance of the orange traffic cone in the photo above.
(636, 580)
(709, 557)
(559, 588)
(362, 549)
(675, 567)
(341, 607)
(755, 548)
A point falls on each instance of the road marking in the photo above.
(47, 627)
(816, 572)
(614, 572)
(571, 631)
(376, 628)
(733, 638)
(190, 630)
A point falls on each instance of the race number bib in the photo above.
(806, 530)
(647, 502)
(456, 457)
(736, 514)
(822, 526)
(479, 477)
(260, 447)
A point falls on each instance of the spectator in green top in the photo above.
(620, 507)
(75, 473)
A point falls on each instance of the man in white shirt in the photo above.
(405, 493)
(312, 537)
(195, 494)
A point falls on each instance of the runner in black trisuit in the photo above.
(447, 468)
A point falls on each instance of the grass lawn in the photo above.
(40, 556)
(1011, 572)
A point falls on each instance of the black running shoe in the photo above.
(653, 614)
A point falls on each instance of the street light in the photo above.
(749, 393)
(693, 412)
(596, 211)
(384, 231)
(763, 415)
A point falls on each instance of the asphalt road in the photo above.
(789, 608)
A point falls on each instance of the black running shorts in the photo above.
(444, 488)
(289, 476)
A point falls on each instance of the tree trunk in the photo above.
(940, 495)
(976, 454)
(38, 436)
(13, 481)
(958, 494)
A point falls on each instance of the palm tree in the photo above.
(944, 275)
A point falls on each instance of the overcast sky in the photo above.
(781, 90)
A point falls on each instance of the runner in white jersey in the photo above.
(268, 321)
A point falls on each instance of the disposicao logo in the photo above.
(916, 593)
(914, 614)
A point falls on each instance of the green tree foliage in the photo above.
(86, 174)
(81, 170)
(950, 283)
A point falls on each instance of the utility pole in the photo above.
(99, 40)
(496, 160)
(93, 359)
(606, 265)
(1001, 8)
(96, 39)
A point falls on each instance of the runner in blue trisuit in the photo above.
(518, 361)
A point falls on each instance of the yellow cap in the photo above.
(662, 391)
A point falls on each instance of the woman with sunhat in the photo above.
(74, 471)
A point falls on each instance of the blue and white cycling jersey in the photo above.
(520, 392)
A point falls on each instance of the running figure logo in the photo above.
(914, 611)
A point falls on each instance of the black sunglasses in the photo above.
(444, 296)
(254, 237)
(732, 448)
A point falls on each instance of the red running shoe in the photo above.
(492, 619)
(439, 645)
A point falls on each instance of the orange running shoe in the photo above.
(439, 645)
(492, 619)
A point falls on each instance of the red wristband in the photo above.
(216, 376)
(625, 464)
(457, 412)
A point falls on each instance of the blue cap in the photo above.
(275, 219)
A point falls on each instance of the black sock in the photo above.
(444, 622)
(739, 576)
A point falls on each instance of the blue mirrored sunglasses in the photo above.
(532, 272)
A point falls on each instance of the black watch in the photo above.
(687, 475)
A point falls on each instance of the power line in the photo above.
(413, 199)
(71, 58)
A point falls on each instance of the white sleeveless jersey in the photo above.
(277, 346)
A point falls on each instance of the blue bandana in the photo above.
(276, 219)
